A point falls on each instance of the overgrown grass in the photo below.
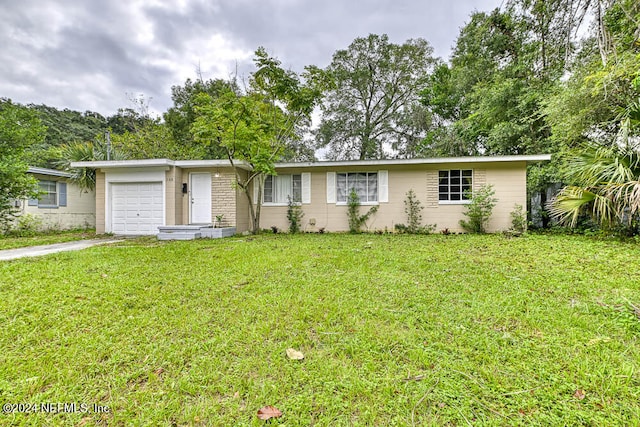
(396, 330)
(46, 238)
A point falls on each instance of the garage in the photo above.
(136, 207)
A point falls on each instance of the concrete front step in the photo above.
(190, 232)
(181, 228)
(179, 236)
(217, 233)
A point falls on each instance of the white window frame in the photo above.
(462, 200)
(304, 180)
(365, 202)
(48, 193)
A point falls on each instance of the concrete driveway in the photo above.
(31, 251)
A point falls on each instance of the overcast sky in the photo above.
(96, 55)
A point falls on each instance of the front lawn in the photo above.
(396, 330)
(48, 238)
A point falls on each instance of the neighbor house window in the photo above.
(279, 188)
(364, 183)
(48, 194)
(52, 195)
(455, 185)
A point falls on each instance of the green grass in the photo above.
(9, 242)
(396, 330)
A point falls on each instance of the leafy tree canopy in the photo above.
(371, 109)
(257, 125)
(20, 128)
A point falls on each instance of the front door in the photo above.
(200, 198)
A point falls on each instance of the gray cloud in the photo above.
(92, 55)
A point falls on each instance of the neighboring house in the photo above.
(138, 196)
(62, 204)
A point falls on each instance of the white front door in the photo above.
(200, 198)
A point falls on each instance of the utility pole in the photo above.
(107, 136)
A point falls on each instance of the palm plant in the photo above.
(85, 178)
(606, 186)
(606, 178)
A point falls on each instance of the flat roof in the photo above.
(244, 165)
(434, 160)
(51, 172)
(114, 164)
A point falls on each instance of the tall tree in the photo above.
(490, 95)
(256, 127)
(180, 117)
(596, 113)
(372, 110)
(19, 129)
(600, 99)
(505, 65)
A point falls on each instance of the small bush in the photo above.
(423, 229)
(218, 223)
(294, 215)
(356, 221)
(26, 225)
(518, 219)
(413, 209)
(479, 210)
(401, 228)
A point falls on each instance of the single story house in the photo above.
(138, 196)
(62, 204)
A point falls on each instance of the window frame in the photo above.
(362, 203)
(274, 179)
(60, 194)
(48, 192)
(463, 173)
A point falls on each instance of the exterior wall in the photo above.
(80, 211)
(510, 185)
(223, 195)
(100, 202)
(509, 180)
(173, 196)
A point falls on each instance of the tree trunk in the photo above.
(255, 205)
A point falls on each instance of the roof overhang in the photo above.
(50, 172)
(146, 163)
(436, 160)
(118, 164)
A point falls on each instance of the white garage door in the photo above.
(136, 208)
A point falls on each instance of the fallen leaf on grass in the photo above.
(598, 340)
(269, 412)
(579, 394)
(294, 354)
